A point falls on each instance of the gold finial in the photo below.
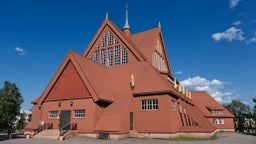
(189, 95)
(180, 88)
(132, 82)
(175, 83)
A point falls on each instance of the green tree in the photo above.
(21, 122)
(10, 102)
(241, 112)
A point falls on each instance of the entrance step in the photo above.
(135, 134)
(48, 134)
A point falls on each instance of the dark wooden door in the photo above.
(64, 118)
(131, 120)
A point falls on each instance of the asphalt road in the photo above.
(223, 138)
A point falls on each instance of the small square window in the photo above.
(53, 114)
(79, 113)
(149, 104)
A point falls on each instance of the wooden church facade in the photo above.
(122, 85)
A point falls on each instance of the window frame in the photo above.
(79, 115)
(103, 57)
(124, 56)
(173, 105)
(117, 55)
(53, 114)
(218, 121)
(110, 56)
(149, 104)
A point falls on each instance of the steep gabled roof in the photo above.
(107, 24)
(146, 42)
(89, 73)
(206, 103)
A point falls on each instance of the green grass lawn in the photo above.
(181, 138)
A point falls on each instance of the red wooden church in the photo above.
(123, 86)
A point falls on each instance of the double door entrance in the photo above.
(64, 119)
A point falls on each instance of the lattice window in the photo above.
(79, 113)
(124, 56)
(96, 56)
(151, 104)
(53, 114)
(116, 41)
(108, 51)
(110, 56)
(117, 55)
(110, 38)
(104, 40)
(103, 56)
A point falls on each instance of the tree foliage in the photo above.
(10, 102)
(243, 116)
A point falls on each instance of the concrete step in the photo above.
(48, 134)
(135, 134)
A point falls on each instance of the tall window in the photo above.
(180, 108)
(158, 61)
(108, 51)
(80, 113)
(103, 56)
(117, 55)
(110, 38)
(173, 105)
(96, 56)
(124, 56)
(53, 114)
(116, 41)
(110, 56)
(104, 40)
(149, 104)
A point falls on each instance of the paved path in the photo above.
(223, 138)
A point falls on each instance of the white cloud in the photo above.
(178, 72)
(230, 34)
(252, 40)
(237, 23)
(213, 87)
(199, 81)
(21, 51)
(233, 3)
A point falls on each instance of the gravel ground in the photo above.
(223, 138)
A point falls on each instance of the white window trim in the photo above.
(53, 114)
(149, 104)
(75, 114)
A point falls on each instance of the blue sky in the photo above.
(211, 44)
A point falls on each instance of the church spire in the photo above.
(126, 25)
(126, 28)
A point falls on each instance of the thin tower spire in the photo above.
(126, 25)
